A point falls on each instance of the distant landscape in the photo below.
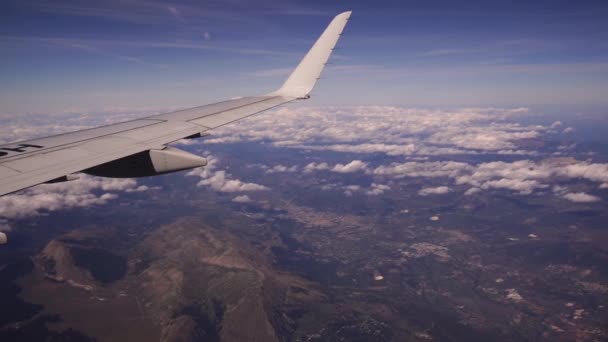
(333, 224)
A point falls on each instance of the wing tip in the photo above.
(345, 14)
(301, 81)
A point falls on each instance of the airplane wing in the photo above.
(139, 147)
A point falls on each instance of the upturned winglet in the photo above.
(303, 78)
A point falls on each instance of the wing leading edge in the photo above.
(28, 163)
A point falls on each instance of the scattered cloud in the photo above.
(393, 131)
(143, 188)
(353, 166)
(434, 191)
(522, 176)
(377, 189)
(472, 191)
(353, 187)
(282, 168)
(219, 180)
(416, 134)
(556, 124)
(581, 197)
(316, 167)
(84, 192)
(242, 199)
(222, 140)
(424, 169)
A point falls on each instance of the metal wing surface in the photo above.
(28, 163)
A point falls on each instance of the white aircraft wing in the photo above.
(139, 147)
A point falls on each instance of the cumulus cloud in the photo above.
(282, 168)
(472, 191)
(223, 140)
(389, 130)
(219, 180)
(377, 189)
(353, 166)
(316, 167)
(482, 138)
(241, 199)
(522, 186)
(352, 187)
(424, 169)
(389, 149)
(84, 192)
(522, 176)
(581, 197)
(434, 191)
(143, 188)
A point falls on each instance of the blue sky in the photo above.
(60, 56)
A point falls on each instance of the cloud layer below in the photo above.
(84, 192)
(393, 131)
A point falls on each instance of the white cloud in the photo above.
(591, 171)
(220, 181)
(434, 191)
(282, 168)
(84, 192)
(581, 197)
(187, 142)
(389, 149)
(326, 187)
(241, 199)
(472, 191)
(568, 130)
(522, 186)
(223, 140)
(143, 188)
(424, 169)
(394, 131)
(352, 187)
(377, 189)
(353, 166)
(486, 138)
(522, 176)
(388, 130)
(316, 167)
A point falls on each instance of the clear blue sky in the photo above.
(101, 55)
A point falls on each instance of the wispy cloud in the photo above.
(141, 12)
(96, 44)
(270, 72)
(98, 51)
